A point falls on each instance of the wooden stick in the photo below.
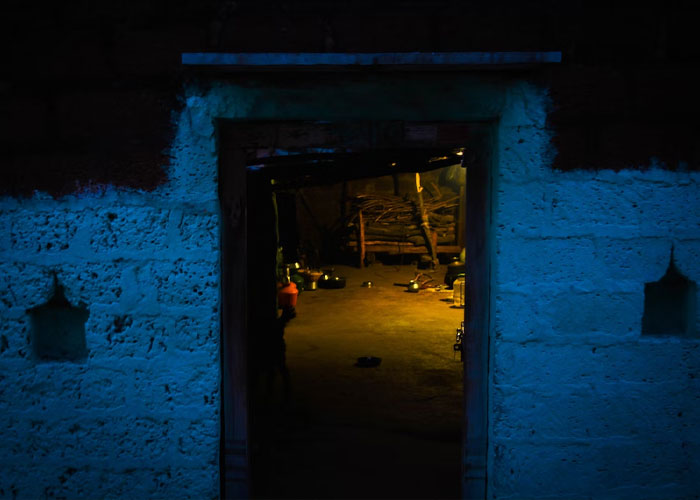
(425, 224)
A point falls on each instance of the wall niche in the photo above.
(58, 328)
(670, 305)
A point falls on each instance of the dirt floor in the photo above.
(391, 431)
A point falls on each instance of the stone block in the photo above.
(609, 312)
(615, 469)
(15, 341)
(140, 288)
(636, 361)
(102, 481)
(38, 232)
(199, 231)
(534, 264)
(637, 208)
(599, 410)
(607, 204)
(128, 335)
(193, 171)
(636, 261)
(524, 156)
(521, 210)
(666, 211)
(186, 283)
(197, 332)
(125, 230)
(23, 285)
(518, 317)
(93, 282)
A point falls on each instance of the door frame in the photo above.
(236, 140)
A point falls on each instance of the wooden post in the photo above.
(235, 477)
(477, 318)
(361, 243)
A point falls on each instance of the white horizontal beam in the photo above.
(319, 60)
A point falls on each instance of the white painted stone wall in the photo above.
(581, 405)
(139, 418)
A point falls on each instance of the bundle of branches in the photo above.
(394, 218)
(403, 210)
(386, 231)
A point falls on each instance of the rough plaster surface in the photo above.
(139, 418)
(580, 405)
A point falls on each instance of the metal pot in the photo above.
(327, 281)
(454, 269)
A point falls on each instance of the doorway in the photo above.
(331, 427)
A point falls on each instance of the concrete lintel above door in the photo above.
(288, 61)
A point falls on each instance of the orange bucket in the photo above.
(287, 295)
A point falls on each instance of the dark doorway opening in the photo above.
(267, 420)
(324, 425)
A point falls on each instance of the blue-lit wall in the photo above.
(583, 406)
(579, 404)
(139, 417)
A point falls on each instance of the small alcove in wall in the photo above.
(58, 328)
(670, 305)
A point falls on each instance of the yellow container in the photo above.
(459, 291)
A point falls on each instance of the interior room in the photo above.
(356, 293)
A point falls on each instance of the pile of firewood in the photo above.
(396, 218)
